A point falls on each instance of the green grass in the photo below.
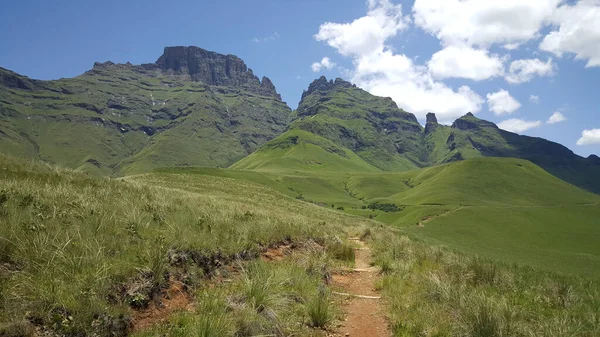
(478, 205)
(561, 238)
(298, 150)
(116, 120)
(445, 293)
(78, 252)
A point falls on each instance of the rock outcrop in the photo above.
(431, 124)
(469, 122)
(200, 65)
(321, 84)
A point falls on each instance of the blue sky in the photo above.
(447, 57)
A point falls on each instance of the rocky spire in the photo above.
(197, 64)
(431, 123)
(321, 84)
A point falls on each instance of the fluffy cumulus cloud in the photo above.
(465, 62)
(556, 117)
(501, 103)
(383, 72)
(589, 137)
(367, 34)
(325, 63)
(518, 125)
(578, 32)
(521, 71)
(483, 23)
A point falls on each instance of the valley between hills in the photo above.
(185, 198)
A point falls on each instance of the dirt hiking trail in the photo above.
(364, 310)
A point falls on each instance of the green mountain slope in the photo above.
(191, 107)
(298, 150)
(374, 129)
(491, 182)
(503, 208)
(471, 137)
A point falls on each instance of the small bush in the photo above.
(386, 207)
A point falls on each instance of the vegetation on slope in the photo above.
(471, 137)
(468, 205)
(79, 254)
(121, 118)
(370, 126)
(434, 291)
(298, 150)
(82, 255)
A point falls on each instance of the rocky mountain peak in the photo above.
(431, 123)
(469, 121)
(200, 65)
(322, 84)
(431, 118)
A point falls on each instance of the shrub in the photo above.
(386, 207)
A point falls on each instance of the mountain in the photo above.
(190, 107)
(471, 137)
(194, 107)
(335, 120)
(352, 121)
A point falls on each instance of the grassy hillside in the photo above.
(490, 181)
(298, 150)
(451, 200)
(372, 127)
(82, 255)
(124, 119)
(471, 137)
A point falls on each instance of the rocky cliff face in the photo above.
(322, 84)
(431, 123)
(200, 65)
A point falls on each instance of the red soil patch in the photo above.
(276, 253)
(175, 298)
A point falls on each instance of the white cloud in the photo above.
(380, 71)
(589, 137)
(483, 23)
(502, 102)
(465, 62)
(367, 34)
(556, 117)
(325, 63)
(518, 125)
(511, 46)
(578, 32)
(271, 37)
(534, 99)
(524, 70)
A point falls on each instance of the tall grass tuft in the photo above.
(342, 251)
(318, 309)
